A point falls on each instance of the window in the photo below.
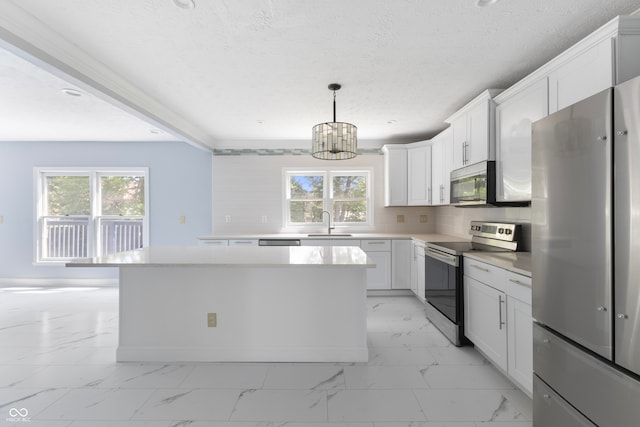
(90, 212)
(346, 194)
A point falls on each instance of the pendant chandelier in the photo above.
(334, 140)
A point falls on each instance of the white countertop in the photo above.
(424, 237)
(517, 262)
(254, 256)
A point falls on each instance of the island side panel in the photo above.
(263, 314)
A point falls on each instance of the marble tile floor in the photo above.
(58, 369)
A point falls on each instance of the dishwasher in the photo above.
(279, 242)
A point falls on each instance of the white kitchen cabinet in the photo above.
(473, 130)
(214, 242)
(378, 277)
(514, 115)
(485, 320)
(497, 310)
(441, 157)
(395, 174)
(520, 342)
(401, 264)
(418, 270)
(584, 75)
(419, 173)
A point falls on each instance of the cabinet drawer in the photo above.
(518, 286)
(214, 242)
(243, 242)
(483, 272)
(376, 245)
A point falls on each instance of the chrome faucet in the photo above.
(329, 227)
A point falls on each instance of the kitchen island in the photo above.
(248, 304)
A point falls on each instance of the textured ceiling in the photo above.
(254, 73)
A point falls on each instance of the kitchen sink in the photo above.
(329, 235)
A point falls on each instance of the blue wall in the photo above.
(179, 184)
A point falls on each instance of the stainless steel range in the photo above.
(443, 273)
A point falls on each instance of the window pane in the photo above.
(349, 187)
(350, 211)
(305, 211)
(65, 238)
(119, 235)
(122, 195)
(306, 187)
(68, 195)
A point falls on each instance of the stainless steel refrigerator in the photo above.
(586, 262)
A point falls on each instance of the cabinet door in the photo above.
(459, 130)
(478, 133)
(587, 74)
(520, 342)
(447, 161)
(380, 276)
(395, 175)
(485, 320)
(420, 270)
(401, 264)
(419, 185)
(437, 172)
(513, 142)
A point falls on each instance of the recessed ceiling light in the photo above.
(392, 121)
(185, 4)
(483, 3)
(72, 92)
(156, 131)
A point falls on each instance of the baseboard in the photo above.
(56, 282)
(388, 292)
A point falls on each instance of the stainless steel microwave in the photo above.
(475, 185)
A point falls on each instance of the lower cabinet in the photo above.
(380, 251)
(418, 270)
(401, 264)
(485, 319)
(497, 310)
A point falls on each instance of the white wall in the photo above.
(248, 187)
(179, 184)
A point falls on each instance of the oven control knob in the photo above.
(500, 230)
(508, 231)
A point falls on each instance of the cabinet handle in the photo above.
(441, 193)
(621, 132)
(464, 160)
(375, 243)
(546, 396)
(486, 270)
(518, 282)
(429, 195)
(546, 341)
(622, 316)
(243, 242)
(500, 301)
(601, 308)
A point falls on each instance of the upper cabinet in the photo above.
(607, 57)
(513, 140)
(419, 173)
(395, 174)
(441, 158)
(473, 130)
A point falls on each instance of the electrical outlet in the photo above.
(264, 219)
(424, 219)
(212, 320)
(1, 219)
(227, 218)
(182, 219)
(400, 219)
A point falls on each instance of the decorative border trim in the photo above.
(281, 151)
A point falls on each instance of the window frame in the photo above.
(328, 199)
(95, 215)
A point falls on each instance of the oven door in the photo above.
(443, 283)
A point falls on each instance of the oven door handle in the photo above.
(447, 259)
